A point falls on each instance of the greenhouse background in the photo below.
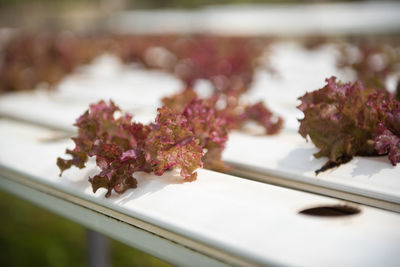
(31, 236)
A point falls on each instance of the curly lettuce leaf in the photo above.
(122, 147)
(386, 142)
(171, 143)
(263, 116)
(341, 119)
(387, 135)
(179, 100)
(211, 129)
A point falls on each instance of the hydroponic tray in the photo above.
(232, 220)
(284, 159)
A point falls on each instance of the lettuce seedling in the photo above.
(122, 147)
(345, 120)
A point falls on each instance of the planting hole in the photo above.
(331, 211)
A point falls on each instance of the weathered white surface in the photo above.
(252, 220)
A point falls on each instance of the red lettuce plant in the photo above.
(345, 120)
(234, 113)
(28, 60)
(263, 116)
(374, 63)
(122, 147)
(31, 59)
(229, 64)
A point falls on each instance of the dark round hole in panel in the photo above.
(331, 211)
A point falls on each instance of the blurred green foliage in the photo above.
(31, 236)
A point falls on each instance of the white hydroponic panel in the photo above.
(289, 156)
(251, 220)
(286, 155)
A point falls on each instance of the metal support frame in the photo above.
(98, 249)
